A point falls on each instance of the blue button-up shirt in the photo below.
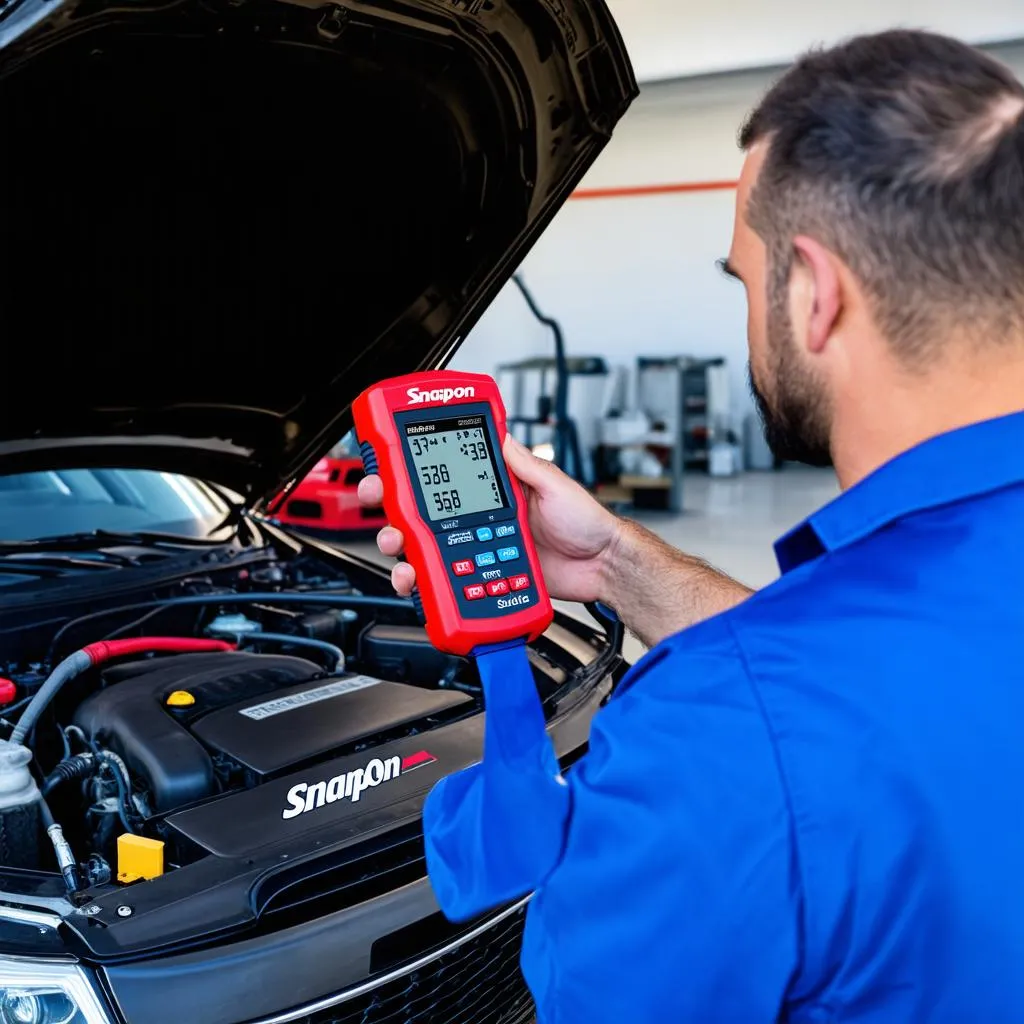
(810, 808)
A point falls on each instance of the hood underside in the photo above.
(222, 220)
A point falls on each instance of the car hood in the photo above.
(223, 219)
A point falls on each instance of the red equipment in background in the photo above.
(325, 502)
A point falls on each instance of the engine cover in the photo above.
(265, 713)
(313, 719)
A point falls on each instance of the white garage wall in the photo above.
(636, 276)
(676, 38)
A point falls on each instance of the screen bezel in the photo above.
(465, 521)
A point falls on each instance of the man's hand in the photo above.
(574, 534)
(588, 554)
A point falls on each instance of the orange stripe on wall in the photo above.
(627, 191)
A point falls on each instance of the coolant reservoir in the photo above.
(19, 807)
(233, 625)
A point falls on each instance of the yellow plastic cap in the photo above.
(139, 857)
(180, 699)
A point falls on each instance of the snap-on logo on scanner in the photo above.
(444, 395)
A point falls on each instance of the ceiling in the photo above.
(679, 38)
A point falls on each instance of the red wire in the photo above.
(104, 650)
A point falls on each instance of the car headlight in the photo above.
(36, 992)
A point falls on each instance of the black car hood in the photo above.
(222, 219)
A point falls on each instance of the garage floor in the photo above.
(733, 522)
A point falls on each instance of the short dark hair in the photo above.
(903, 152)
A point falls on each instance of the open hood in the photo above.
(222, 219)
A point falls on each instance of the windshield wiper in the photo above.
(48, 566)
(96, 540)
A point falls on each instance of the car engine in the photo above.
(235, 704)
(192, 726)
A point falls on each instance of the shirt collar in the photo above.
(946, 469)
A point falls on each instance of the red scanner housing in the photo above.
(435, 439)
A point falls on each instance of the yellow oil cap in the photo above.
(180, 699)
(139, 857)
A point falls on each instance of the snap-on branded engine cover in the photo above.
(266, 713)
(356, 794)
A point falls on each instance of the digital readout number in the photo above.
(459, 457)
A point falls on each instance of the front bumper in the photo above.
(363, 958)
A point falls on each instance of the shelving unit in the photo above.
(686, 399)
(528, 388)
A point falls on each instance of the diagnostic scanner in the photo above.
(435, 439)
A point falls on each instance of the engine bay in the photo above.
(280, 699)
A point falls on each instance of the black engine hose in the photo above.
(79, 766)
(200, 600)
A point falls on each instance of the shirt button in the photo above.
(497, 588)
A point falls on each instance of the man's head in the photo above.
(880, 220)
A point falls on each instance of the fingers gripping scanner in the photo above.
(435, 439)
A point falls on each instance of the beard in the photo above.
(793, 406)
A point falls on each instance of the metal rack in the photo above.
(529, 389)
(685, 399)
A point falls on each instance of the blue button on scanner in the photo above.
(508, 530)
(485, 558)
(485, 533)
(507, 554)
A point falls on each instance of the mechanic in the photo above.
(805, 803)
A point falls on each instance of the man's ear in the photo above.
(823, 300)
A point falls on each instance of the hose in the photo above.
(45, 812)
(336, 653)
(271, 597)
(85, 740)
(80, 766)
(82, 660)
(73, 665)
(120, 773)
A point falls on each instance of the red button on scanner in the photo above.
(519, 582)
(497, 588)
(463, 568)
(474, 592)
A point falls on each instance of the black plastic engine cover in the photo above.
(267, 713)
(129, 715)
(307, 721)
(404, 654)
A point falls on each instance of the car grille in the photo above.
(477, 983)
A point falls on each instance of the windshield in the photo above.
(34, 506)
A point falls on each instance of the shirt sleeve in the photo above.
(666, 879)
